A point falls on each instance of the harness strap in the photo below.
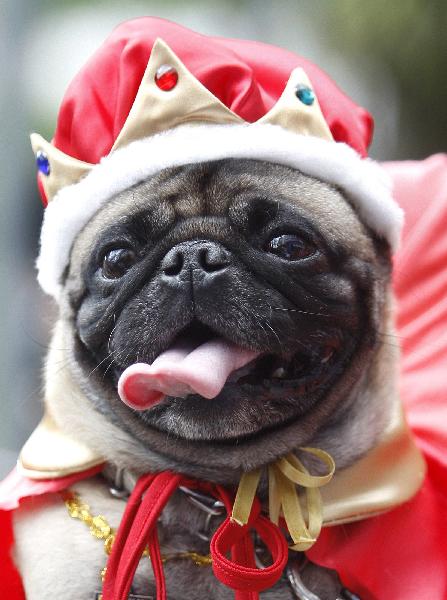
(138, 529)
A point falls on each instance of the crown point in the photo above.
(42, 162)
(166, 77)
(305, 94)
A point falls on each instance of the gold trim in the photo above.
(284, 476)
(155, 110)
(100, 529)
(64, 170)
(389, 475)
(289, 113)
(49, 453)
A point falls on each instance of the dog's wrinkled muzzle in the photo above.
(186, 367)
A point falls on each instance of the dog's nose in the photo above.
(196, 259)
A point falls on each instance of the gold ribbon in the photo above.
(284, 475)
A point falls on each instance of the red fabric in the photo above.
(248, 77)
(402, 554)
(15, 487)
(10, 582)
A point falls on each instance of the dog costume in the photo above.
(157, 95)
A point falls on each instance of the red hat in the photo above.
(156, 95)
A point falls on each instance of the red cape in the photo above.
(401, 554)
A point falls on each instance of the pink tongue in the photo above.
(182, 370)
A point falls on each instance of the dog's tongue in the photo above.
(181, 370)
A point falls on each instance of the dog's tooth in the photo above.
(327, 358)
(279, 373)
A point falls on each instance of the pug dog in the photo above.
(245, 257)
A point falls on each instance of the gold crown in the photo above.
(188, 102)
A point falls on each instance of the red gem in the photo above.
(166, 77)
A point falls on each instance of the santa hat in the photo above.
(157, 95)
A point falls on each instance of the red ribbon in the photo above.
(138, 530)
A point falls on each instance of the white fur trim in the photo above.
(363, 181)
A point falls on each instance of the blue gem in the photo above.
(305, 94)
(42, 162)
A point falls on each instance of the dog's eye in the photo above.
(290, 247)
(117, 261)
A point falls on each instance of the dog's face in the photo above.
(258, 254)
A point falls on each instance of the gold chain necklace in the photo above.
(102, 530)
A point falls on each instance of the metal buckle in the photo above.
(207, 504)
(293, 570)
(301, 592)
(118, 489)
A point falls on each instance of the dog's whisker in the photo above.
(108, 367)
(251, 314)
(297, 310)
(393, 335)
(64, 364)
(112, 332)
(273, 331)
(114, 356)
(384, 343)
(99, 364)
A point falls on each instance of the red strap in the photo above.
(127, 519)
(157, 565)
(134, 533)
(241, 569)
(138, 530)
(244, 553)
(240, 576)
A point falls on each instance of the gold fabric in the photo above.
(49, 453)
(155, 110)
(296, 116)
(388, 475)
(284, 475)
(245, 496)
(64, 169)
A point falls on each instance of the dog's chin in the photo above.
(271, 391)
(252, 402)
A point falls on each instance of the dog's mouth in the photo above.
(201, 362)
